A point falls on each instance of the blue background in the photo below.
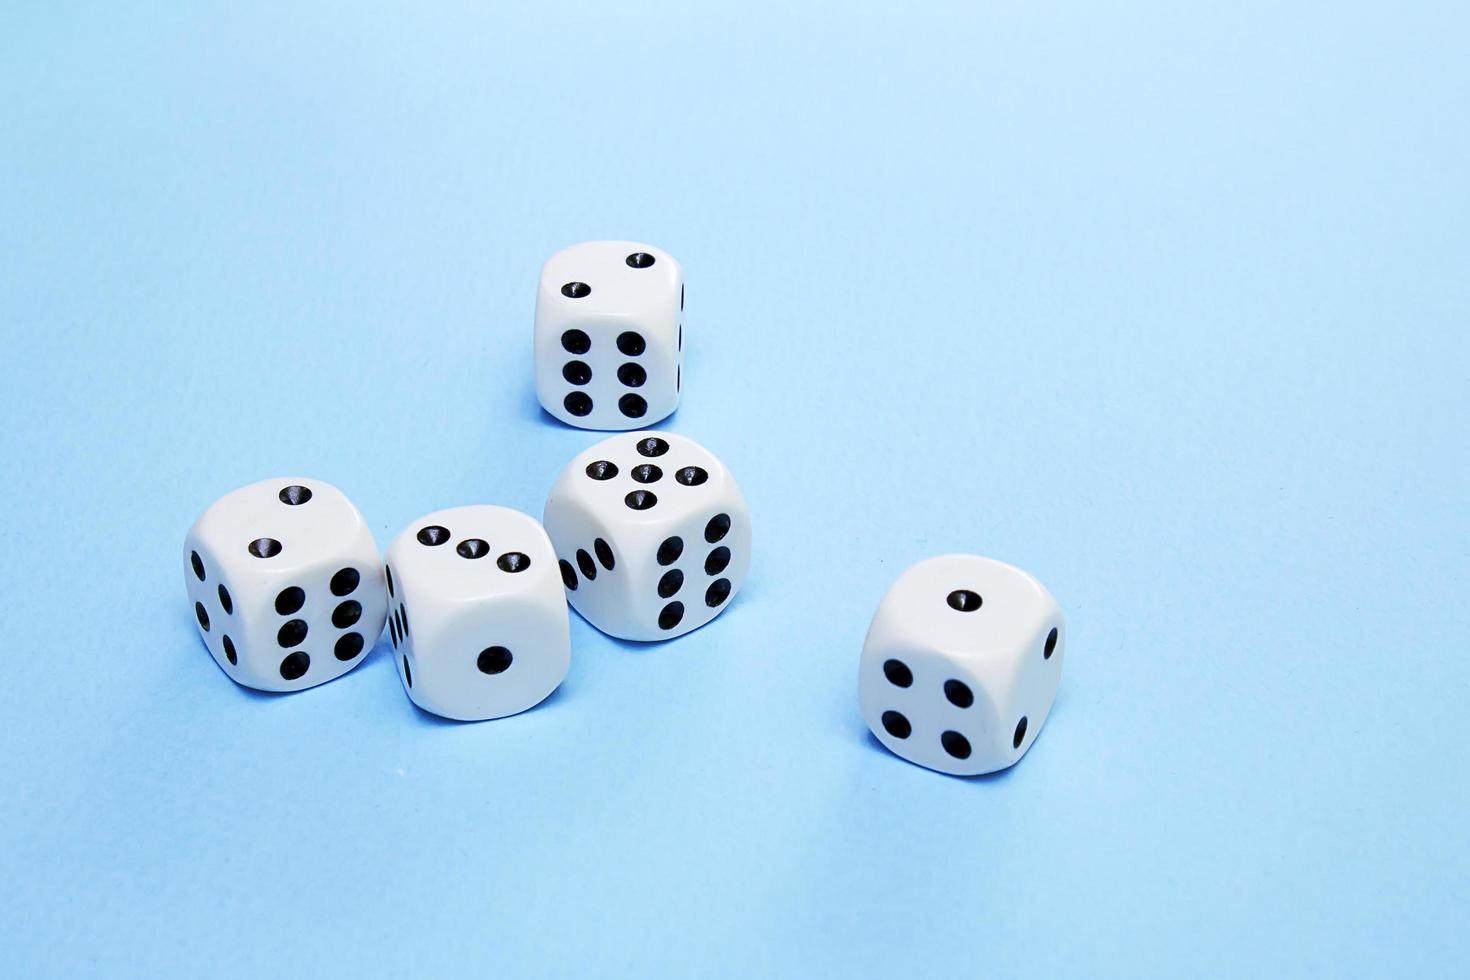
(1167, 306)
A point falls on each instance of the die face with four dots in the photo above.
(961, 664)
(652, 535)
(609, 344)
(477, 617)
(284, 580)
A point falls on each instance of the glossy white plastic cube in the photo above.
(478, 621)
(652, 534)
(961, 664)
(284, 580)
(609, 336)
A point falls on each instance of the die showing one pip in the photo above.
(477, 618)
(283, 576)
(961, 664)
(652, 534)
(609, 343)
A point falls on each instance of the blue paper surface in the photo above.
(1166, 305)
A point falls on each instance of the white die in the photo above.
(610, 335)
(961, 664)
(652, 533)
(477, 616)
(284, 580)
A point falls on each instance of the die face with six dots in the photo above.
(961, 664)
(651, 533)
(477, 618)
(285, 584)
(609, 335)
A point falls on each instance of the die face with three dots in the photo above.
(652, 535)
(284, 580)
(961, 664)
(609, 343)
(477, 618)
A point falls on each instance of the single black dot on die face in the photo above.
(670, 550)
(230, 653)
(585, 563)
(652, 447)
(955, 744)
(1051, 644)
(388, 574)
(393, 630)
(1020, 735)
(494, 660)
(631, 343)
(603, 550)
(294, 665)
(963, 600)
(576, 290)
(403, 621)
(640, 499)
(348, 646)
(578, 403)
(671, 615)
(959, 693)
(265, 547)
(718, 592)
(225, 602)
(473, 548)
(632, 375)
(633, 406)
(202, 616)
(513, 561)
(433, 535)
(345, 581)
(640, 260)
(717, 528)
(718, 561)
(577, 372)
(291, 633)
(692, 476)
(568, 575)
(407, 674)
(602, 470)
(576, 342)
(898, 673)
(671, 583)
(896, 724)
(198, 565)
(647, 473)
(294, 496)
(346, 614)
(681, 296)
(290, 600)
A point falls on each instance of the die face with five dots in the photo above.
(961, 664)
(652, 535)
(477, 618)
(285, 584)
(609, 335)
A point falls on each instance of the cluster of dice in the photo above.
(645, 534)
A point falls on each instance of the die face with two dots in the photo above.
(961, 664)
(477, 617)
(609, 338)
(652, 534)
(284, 581)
